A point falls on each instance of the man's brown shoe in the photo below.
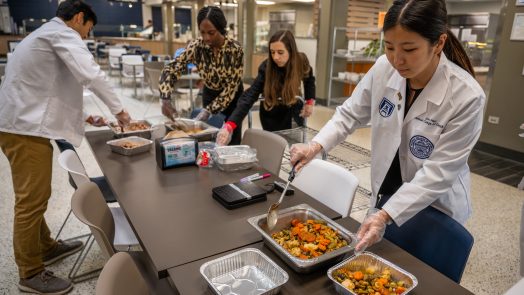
(45, 283)
(62, 250)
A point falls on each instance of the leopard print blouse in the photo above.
(222, 71)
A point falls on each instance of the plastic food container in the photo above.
(247, 271)
(302, 212)
(141, 128)
(378, 264)
(195, 129)
(131, 145)
(235, 157)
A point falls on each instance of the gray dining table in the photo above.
(173, 213)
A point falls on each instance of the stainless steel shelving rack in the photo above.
(348, 58)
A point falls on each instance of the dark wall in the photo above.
(182, 16)
(110, 14)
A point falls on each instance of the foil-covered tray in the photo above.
(234, 157)
(195, 129)
(141, 128)
(368, 261)
(302, 212)
(131, 145)
(247, 271)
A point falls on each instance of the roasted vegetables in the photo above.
(368, 281)
(309, 239)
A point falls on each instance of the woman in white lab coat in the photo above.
(425, 110)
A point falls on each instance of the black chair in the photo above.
(100, 181)
(436, 239)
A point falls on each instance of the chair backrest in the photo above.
(11, 44)
(89, 207)
(329, 183)
(114, 56)
(130, 62)
(436, 239)
(152, 77)
(121, 276)
(270, 148)
(69, 161)
(159, 65)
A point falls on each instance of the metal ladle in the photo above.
(272, 213)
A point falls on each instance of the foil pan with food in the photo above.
(131, 145)
(247, 271)
(190, 128)
(141, 128)
(368, 273)
(305, 238)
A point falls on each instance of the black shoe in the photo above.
(62, 250)
(45, 283)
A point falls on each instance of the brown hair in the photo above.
(428, 18)
(296, 68)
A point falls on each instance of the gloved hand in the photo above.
(306, 111)
(303, 153)
(225, 133)
(203, 115)
(97, 121)
(123, 118)
(167, 109)
(372, 229)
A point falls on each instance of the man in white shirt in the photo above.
(41, 100)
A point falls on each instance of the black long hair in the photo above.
(428, 18)
(69, 8)
(215, 15)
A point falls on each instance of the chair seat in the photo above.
(102, 184)
(436, 239)
(124, 235)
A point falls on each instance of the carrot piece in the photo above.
(309, 237)
(322, 247)
(358, 275)
(400, 290)
(294, 222)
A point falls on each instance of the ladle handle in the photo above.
(292, 173)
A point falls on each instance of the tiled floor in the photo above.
(493, 264)
(497, 168)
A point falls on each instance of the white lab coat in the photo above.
(434, 139)
(41, 94)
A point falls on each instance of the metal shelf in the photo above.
(342, 31)
(343, 81)
(355, 59)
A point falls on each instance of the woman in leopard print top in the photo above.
(219, 61)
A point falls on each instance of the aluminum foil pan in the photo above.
(247, 271)
(195, 129)
(366, 260)
(119, 133)
(234, 157)
(302, 212)
(118, 145)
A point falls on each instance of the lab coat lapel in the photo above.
(397, 91)
(434, 92)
